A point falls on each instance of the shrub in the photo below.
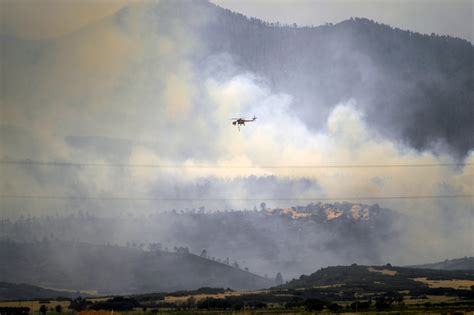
(313, 305)
(334, 307)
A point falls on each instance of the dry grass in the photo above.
(455, 284)
(97, 313)
(328, 286)
(383, 271)
(200, 297)
(99, 299)
(35, 305)
(431, 299)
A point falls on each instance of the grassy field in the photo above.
(406, 310)
(431, 299)
(278, 311)
(437, 305)
(383, 271)
(272, 311)
(455, 284)
(200, 297)
(35, 305)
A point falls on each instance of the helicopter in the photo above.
(242, 121)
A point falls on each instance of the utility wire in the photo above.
(126, 165)
(119, 198)
(128, 198)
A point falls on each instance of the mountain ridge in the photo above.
(399, 278)
(465, 263)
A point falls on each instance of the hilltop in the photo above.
(22, 291)
(466, 263)
(378, 278)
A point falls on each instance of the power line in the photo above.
(126, 198)
(209, 166)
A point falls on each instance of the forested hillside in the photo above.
(412, 86)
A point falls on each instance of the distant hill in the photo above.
(380, 278)
(466, 263)
(352, 289)
(21, 291)
(114, 269)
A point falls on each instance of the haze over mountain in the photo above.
(403, 79)
(18, 292)
(103, 269)
(466, 263)
(155, 83)
(291, 241)
(351, 275)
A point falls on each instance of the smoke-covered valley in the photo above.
(131, 115)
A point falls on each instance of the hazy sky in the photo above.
(444, 17)
(50, 18)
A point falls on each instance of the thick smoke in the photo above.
(139, 87)
(411, 88)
